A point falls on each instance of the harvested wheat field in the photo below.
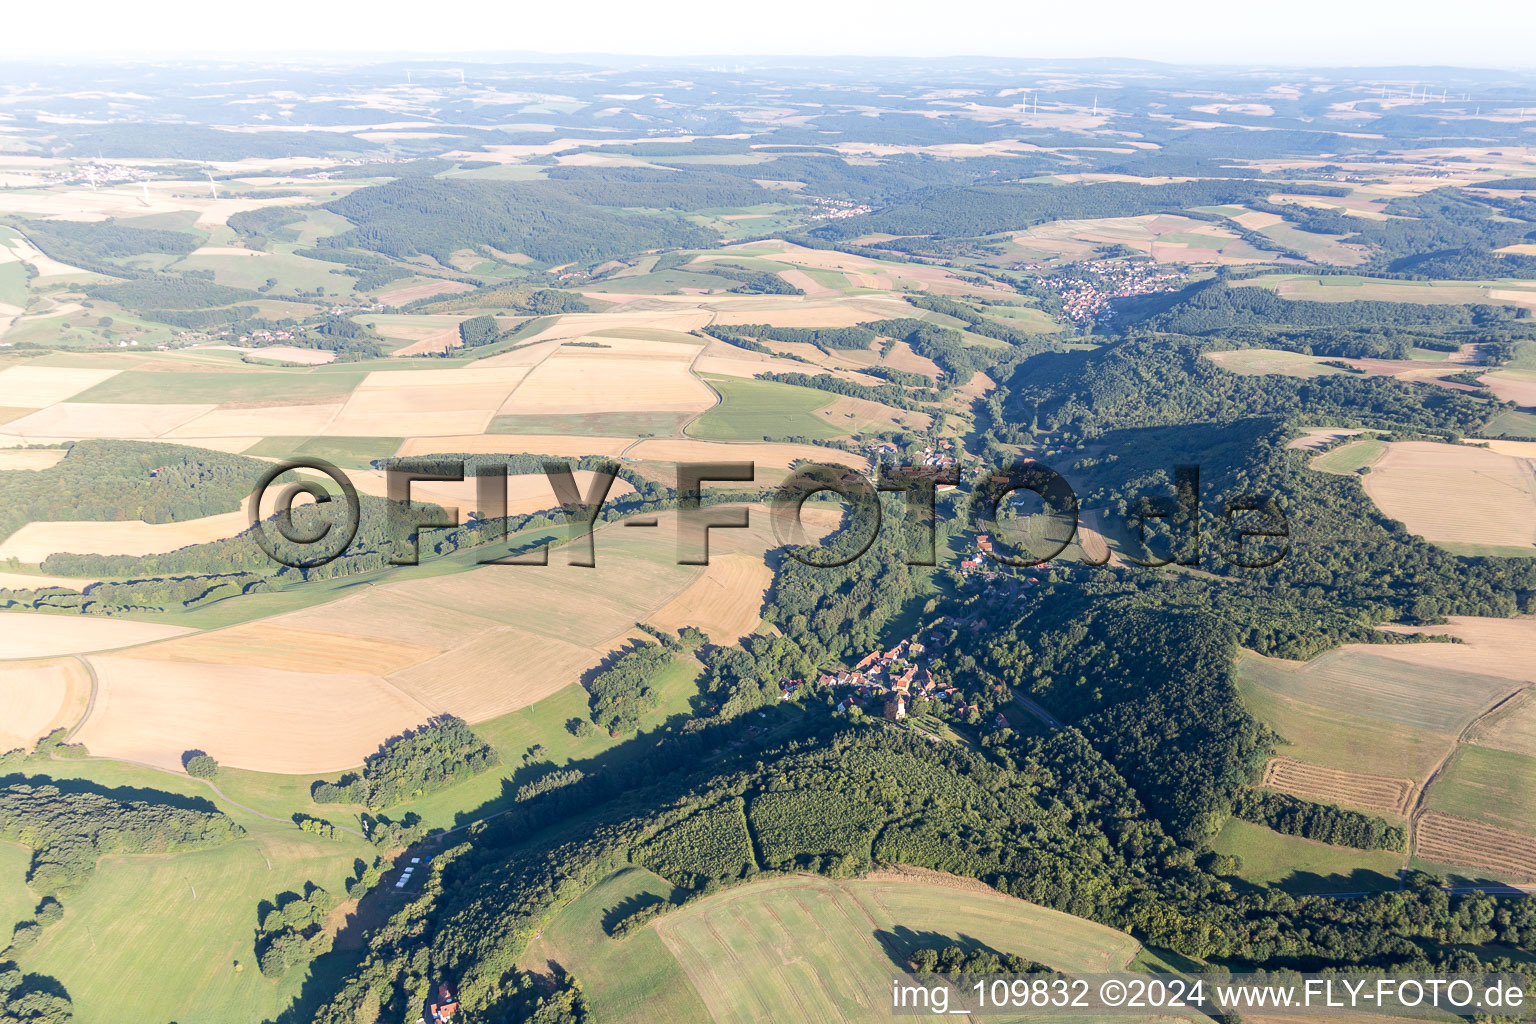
(635, 573)
(726, 602)
(1094, 548)
(845, 311)
(425, 402)
(628, 377)
(1322, 437)
(1447, 839)
(34, 387)
(563, 445)
(40, 635)
(747, 364)
(764, 453)
(1457, 494)
(281, 420)
(36, 541)
(1495, 647)
(934, 280)
(433, 344)
(291, 354)
(901, 357)
(266, 645)
(856, 415)
(1512, 386)
(1386, 682)
(105, 420)
(1511, 728)
(389, 611)
(1515, 449)
(496, 673)
(411, 292)
(35, 581)
(37, 697)
(262, 719)
(806, 283)
(575, 325)
(1379, 793)
(30, 458)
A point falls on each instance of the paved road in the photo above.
(1036, 710)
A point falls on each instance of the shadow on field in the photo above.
(901, 942)
(150, 796)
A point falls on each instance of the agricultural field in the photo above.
(802, 947)
(1351, 457)
(41, 635)
(1166, 238)
(1495, 495)
(145, 907)
(37, 697)
(1518, 386)
(1411, 732)
(1256, 361)
(318, 701)
(1300, 865)
(37, 540)
(753, 410)
(1358, 681)
(1348, 288)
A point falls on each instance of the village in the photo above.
(888, 682)
(1088, 288)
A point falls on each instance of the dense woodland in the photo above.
(545, 220)
(70, 825)
(433, 757)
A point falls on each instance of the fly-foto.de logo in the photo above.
(1030, 512)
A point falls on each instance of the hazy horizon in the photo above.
(1308, 34)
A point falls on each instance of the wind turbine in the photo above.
(144, 192)
(1095, 106)
(212, 188)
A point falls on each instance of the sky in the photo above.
(1494, 33)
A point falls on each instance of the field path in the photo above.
(693, 368)
(90, 703)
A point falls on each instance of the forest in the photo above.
(544, 220)
(70, 825)
(433, 757)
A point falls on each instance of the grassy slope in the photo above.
(811, 949)
(16, 901)
(171, 954)
(631, 979)
(174, 926)
(800, 948)
(1301, 865)
(13, 284)
(543, 724)
(1351, 457)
